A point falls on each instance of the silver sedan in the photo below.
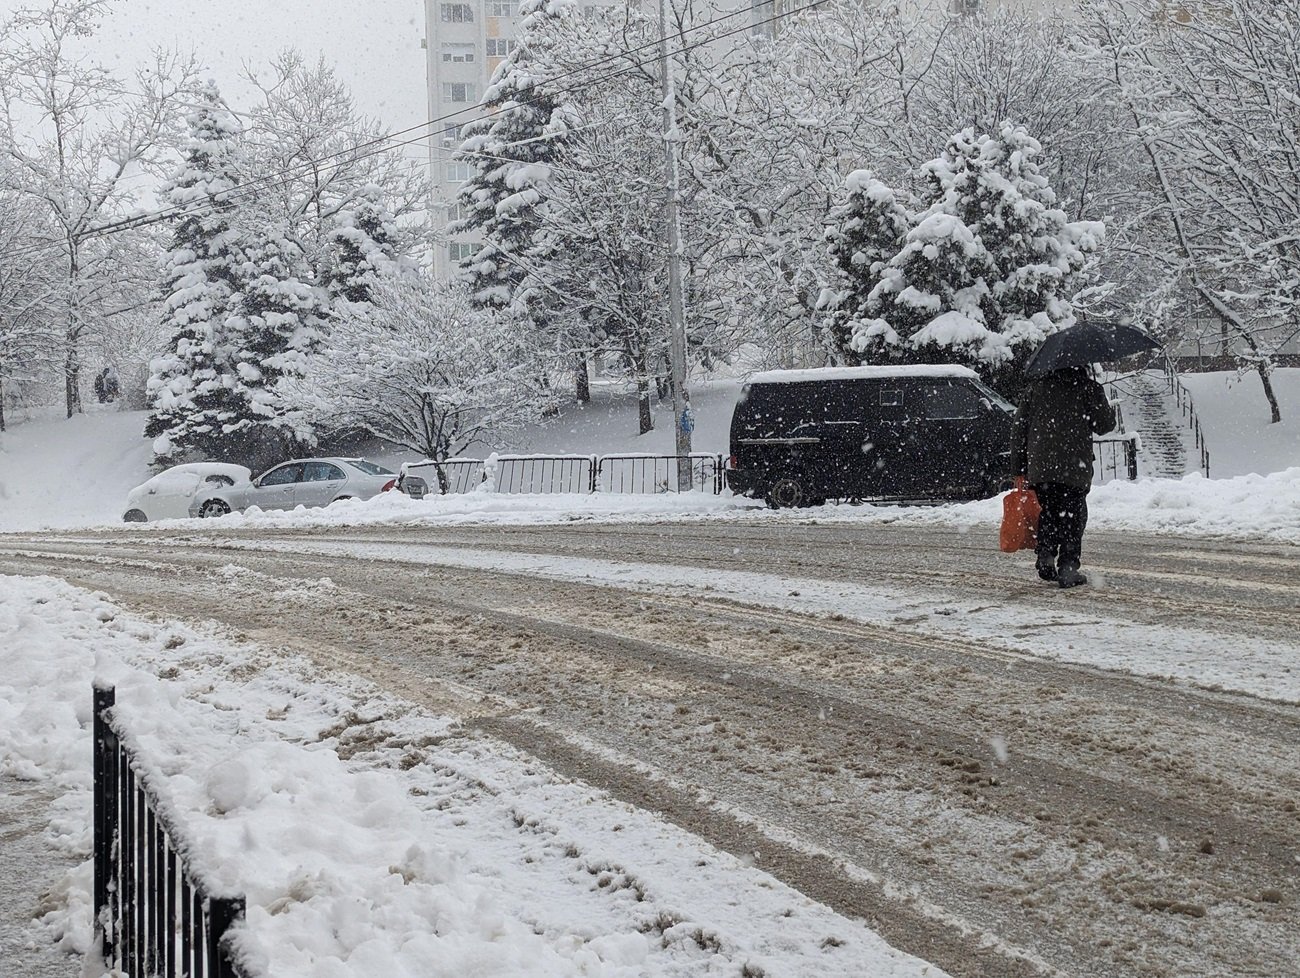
(309, 482)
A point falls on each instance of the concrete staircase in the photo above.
(1150, 410)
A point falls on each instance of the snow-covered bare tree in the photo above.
(770, 128)
(74, 143)
(428, 370)
(29, 333)
(326, 159)
(1210, 93)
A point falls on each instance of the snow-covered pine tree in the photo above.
(866, 231)
(278, 320)
(988, 268)
(365, 248)
(192, 388)
(510, 149)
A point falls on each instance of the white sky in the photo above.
(373, 44)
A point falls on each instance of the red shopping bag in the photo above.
(1020, 511)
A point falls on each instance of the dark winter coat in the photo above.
(1051, 440)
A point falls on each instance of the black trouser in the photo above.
(1060, 525)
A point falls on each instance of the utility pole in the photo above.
(683, 422)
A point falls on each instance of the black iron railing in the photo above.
(660, 473)
(1187, 409)
(154, 916)
(1116, 457)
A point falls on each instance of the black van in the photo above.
(800, 437)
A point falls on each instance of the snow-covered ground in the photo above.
(366, 839)
(1235, 418)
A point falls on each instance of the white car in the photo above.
(170, 495)
(306, 482)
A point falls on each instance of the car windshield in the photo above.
(369, 468)
(995, 397)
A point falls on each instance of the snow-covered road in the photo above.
(1000, 778)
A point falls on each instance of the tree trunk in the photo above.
(582, 380)
(72, 379)
(637, 359)
(1262, 366)
(72, 362)
(643, 404)
(2, 404)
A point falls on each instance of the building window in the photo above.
(458, 52)
(457, 13)
(502, 8)
(455, 212)
(450, 137)
(457, 172)
(458, 251)
(458, 91)
(499, 47)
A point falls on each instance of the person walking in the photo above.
(1051, 447)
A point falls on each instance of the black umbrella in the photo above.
(1085, 343)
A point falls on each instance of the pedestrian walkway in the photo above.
(1147, 410)
(29, 868)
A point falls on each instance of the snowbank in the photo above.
(1261, 508)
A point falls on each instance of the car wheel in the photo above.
(786, 492)
(339, 499)
(135, 516)
(214, 508)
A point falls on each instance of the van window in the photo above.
(790, 408)
(950, 402)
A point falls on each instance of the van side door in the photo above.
(953, 453)
(881, 469)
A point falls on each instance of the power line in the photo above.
(375, 146)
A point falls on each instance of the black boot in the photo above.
(1046, 565)
(1069, 576)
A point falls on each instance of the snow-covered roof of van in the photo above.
(860, 373)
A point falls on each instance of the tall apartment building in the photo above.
(465, 41)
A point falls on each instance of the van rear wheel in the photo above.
(786, 492)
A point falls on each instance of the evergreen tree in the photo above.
(987, 270)
(510, 149)
(278, 320)
(192, 388)
(867, 230)
(364, 248)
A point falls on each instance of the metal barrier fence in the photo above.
(457, 475)
(660, 473)
(517, 474)
(155, 917)
(1116, 455)
(545, 474)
